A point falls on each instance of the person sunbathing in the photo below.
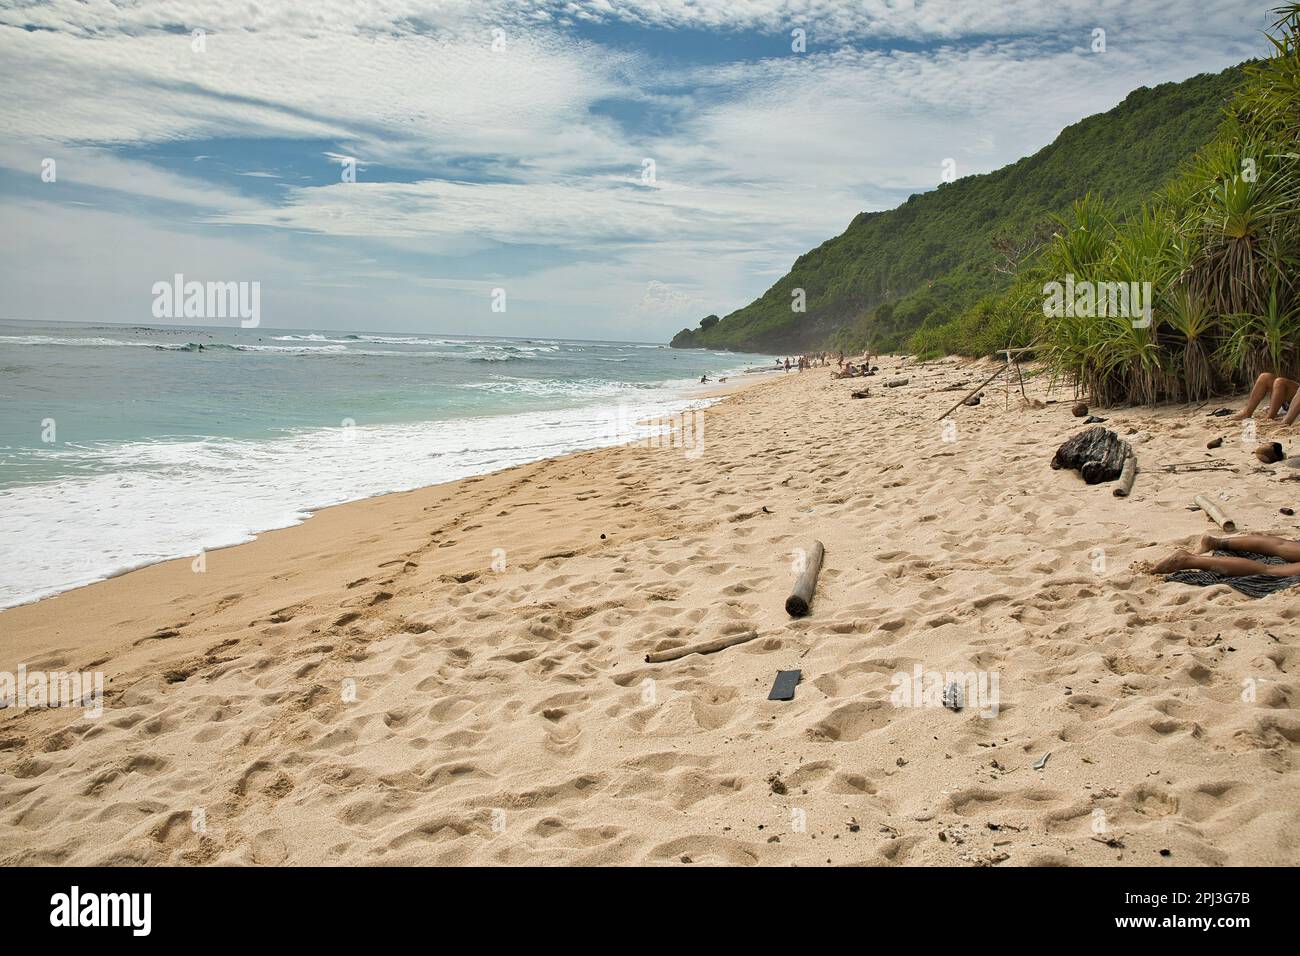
(1202, 560)
(1281, 392)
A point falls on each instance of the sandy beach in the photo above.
(456, 675)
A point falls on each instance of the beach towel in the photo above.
(1252, 585)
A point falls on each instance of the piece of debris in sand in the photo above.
(1097, 453)
(1127, 476)
(1079, 410)
(1215, 514)
(800, 599)
(1214, 442)
(1182, 467)
(706, 647)
(1270, 452)
(784, 685)
(1041, 762)
(953, 697)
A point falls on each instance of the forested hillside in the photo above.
(941, 252)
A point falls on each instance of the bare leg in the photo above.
(1263, 385)
(1229, 567)
(1269, 544)
(1283, 391)
(1293, 393)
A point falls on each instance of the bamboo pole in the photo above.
(704, 647)
(1215, 514)
(797, 604)
(1127, 476)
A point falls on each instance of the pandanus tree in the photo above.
(1220, 246)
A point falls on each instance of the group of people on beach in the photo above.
(849, 370)
(802, 362)
(823, 360)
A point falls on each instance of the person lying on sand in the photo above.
(1269, 544)
(1282, 392)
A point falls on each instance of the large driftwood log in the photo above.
(705, 647)
(1127, 476)
(797, 604)
(1097, 454)
(1215, 514)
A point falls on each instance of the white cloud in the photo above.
(100, 169)
(763, 158)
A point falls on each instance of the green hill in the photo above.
(935, 256)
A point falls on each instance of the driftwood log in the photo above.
(1097, 453)
(704, 647)
(797, 604)
(1216, 514)
(1127, 476)
(895, 382)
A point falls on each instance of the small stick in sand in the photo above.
(1215, 514)
(1127, 476)
(1001, 371)
(797, 604)
(705, 647)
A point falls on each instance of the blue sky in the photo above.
(504, 145)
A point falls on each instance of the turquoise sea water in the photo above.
(123, 446)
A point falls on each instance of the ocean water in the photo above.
(125, 446)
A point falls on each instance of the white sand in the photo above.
(505, 717)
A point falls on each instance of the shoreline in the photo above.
(367, 687)
(348, 514)
(674, 395)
